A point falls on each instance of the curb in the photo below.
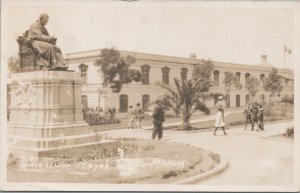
(237, 126)
(274, 137)
(221, 167)
(199, 130)
(277, 138)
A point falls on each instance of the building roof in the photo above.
(137, 55)
(94, 54)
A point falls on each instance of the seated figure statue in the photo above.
(41, 46)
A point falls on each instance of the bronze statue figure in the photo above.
(38, 49)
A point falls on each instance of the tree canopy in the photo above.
(115, 69)
(252, 85)
(231, 80)
(273, 82)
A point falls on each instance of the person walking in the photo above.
(260, 117)
(219, 122)
(92, 116)
(253, 112)
(139, 115)
(220, 105)
(87, 115)
(132, 115)
(247, 115)
(158, 119)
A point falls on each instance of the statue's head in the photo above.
(44, 17)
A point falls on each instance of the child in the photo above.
(139, 115)
(132, 115)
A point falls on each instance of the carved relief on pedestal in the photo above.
(24, 95)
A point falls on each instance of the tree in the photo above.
(115, 70)
(229, 81)
(273, 83)
(14, 64)
(189, 95)
(252, 85)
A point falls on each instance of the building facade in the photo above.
(158, 68)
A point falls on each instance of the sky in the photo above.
(237, 33)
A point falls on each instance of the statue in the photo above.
(38, 49)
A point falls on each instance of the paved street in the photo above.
(253, 158)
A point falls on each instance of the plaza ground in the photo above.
(254, 158)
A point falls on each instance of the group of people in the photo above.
(94, 115)
(254, 113)
(136, 115)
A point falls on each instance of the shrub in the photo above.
(111, 112)
(100, 116)
(202, 107)
(277, 108)
(288, 99)
(289, 132)
(12, 161)
(236, 123)
(104, 121)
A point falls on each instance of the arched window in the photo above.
(216, 77)
(84, 101)
(262, 98)
(145, 72)
(83, 71)
(216, 96)
(247, 99)
(247, 75)
(262, 80)
(145, 101)
(123, 103)
(165, 74)
(184, 73)
(270, 97)
(237, 100)
(238, 76)
(227, 100)
(262, 77)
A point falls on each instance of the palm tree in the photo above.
(188, 96)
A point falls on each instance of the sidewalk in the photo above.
(253, 160)
(170, 122)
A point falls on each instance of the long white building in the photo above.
(159, 68)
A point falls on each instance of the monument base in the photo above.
(46, 113)
(41, 153)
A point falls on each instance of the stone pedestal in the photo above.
(46, 113)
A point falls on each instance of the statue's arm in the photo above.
(36, 33)
(43, 38)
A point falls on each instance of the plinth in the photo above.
(46, 113)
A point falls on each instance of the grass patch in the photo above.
(138, 161)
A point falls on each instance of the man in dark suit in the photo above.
(158, 119)
(247, 115)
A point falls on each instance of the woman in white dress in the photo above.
(219, 122)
